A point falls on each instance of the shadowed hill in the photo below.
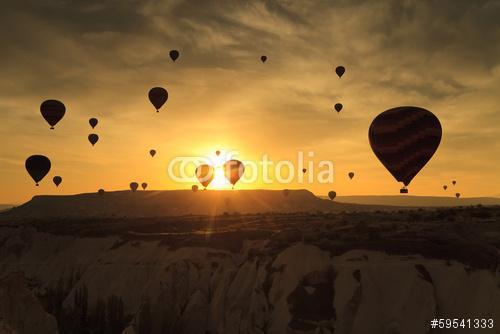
(418, 201)
(176, 203)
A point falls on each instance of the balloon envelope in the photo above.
(57, 180)
(233, 170)
(93, 122)
(152, 153)
(93, 138)
(263, 59)
(144, 185)
(194, 188)
(217, 153)
(457, 195)
(340, 70)
(174, 54)
(100, 191)
(404, 139)
(445, 187)
(205, 174)
(351, 175)
(332, 195)
(37, 166)
(454, 182)
(52, 111)
(304, 170)
(158, 96)
(338, 107)
(134, 186)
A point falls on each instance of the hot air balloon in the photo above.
(338, 107)
(144, 185)
(340, 70)
(174, 54)
(93, 138)
(205, 174)
(152, 153)
(194, 188)
(263, 59)
(53, 111)
(37, 166)
(57, 180)
(457, 195)
(233, 170)
(100, 192)
(158, 96)
(286, 192)
(217, 153)
(134, 186)
(304, 170)
(454, 182)
(332, 194)
(404, 139)
(93, 122)
(351, 175)
(445, 187)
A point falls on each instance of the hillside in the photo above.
(175, 203)
(418, 201)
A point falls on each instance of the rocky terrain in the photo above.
(323, 272)
(419, 201)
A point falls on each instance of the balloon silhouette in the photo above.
(286, 192)
(332, 194)
(404, 139)
(37, 166)
(144, 185)
(93, 122)
(158, 96)
(57, 180)
(233, 170)
(100, 192)
(53, 111)
(338, 107)
(93, 138)
(454, 182)
(263, 59)
(457, 195)
(340, 70)
(217, 153)
(152, 153)
(304, 170)
(445, 187)
(174, 54)
(205, 174)
(351, 175)
(194, 188)
(134, 186)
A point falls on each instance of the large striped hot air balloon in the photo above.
(404, 139)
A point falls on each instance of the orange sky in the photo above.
(101, 60)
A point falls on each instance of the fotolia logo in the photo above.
(213, 170)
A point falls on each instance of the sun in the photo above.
(219, 181)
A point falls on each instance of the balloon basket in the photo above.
(403, 191)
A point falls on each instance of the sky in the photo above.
(100, 58)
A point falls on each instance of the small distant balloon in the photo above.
(304, 170)
(134, 186)
(445, 187)
(233, 170)
(93, 138)
(340, 70)
(205, 174)
(93, 122)
(351, 175)
(144, 185)
(57, 180)
(152, 153)
(338, 107)
(194, 188)
(454, 182)
(286, 192)
(263, 59)
(100, 192)
(174, 54)
(332, 194)
(457, 195)
(158, 96)
(217, 153)
(37, 166)
(52, 111)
